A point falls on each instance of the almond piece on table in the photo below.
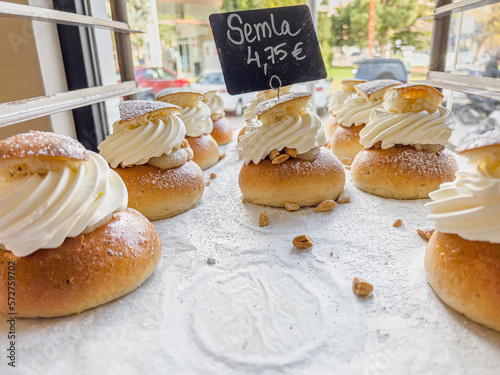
(303, 241)
(290, 206)
(426, 233)
(397, 223)
(213, 175)
(325, 206)
(344, 198)
(361, 287)
(263, 219)
(346, 161)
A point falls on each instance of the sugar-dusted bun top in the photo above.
(139, 112)
(349, 83)
(45, 144)
(180, 96)
(375, 90)
(196, 114)
(412, 98)
(54, 190)
(274, 109)
(470, 205)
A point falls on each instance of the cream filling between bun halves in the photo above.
(337, 100)
(356, 111)
(300, 132)
(423, 128)
(470, 205)
(136, 146)
(40, 211)
(197, 120)
(216, 105)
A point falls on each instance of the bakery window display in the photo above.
(223, 131)
(462, 258)
(337, 100)
(196, 116)
(354, 115)
(404, 155)
(283, 158)
(66, 228)
(148, 150)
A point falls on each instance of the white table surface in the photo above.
(266, 308)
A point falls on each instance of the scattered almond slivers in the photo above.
(346, 161)
(397, 223)
(291, 152)
(280, 159)
(325, 206)
(208, 183)
(361, 287)
(303, 241)
(344, 198)
(222, 156)
(426, 233)
(263, 219)
(243, 200)
(290, 206)
(273, 154)
(213, 175)
(347, 166)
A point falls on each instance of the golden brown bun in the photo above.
(484, 149)
(205, 149)
(162, 193)
(223, 131)
(374, 90)
(345, 141)
(330, 127)
(295, 180)
(349, 83)
(180, 96)
(402, 172)
(85, 271)
(466, 276)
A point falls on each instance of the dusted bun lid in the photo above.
(39, 152)
(272, 110)
(140, 112)
(374, 90)
(349, 83)
(486, 142)
(181, 96)
(412, 98)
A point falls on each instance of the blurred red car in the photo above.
(157, 79)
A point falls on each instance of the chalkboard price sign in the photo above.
(255, 45)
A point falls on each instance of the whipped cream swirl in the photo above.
(470, 205)
(422, 128)
(249, 111)
(356, 111)
(300, 132)
(136, 146)
(40, 211)
(197, 120)
(337, 100)
(216, 105)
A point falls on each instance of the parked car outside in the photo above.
(210, 80)
(371, 69)
(157, 78)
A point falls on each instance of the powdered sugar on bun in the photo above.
(490, 138)
(132, 109)
(374, 90)
(37, 143)
(177, 90)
